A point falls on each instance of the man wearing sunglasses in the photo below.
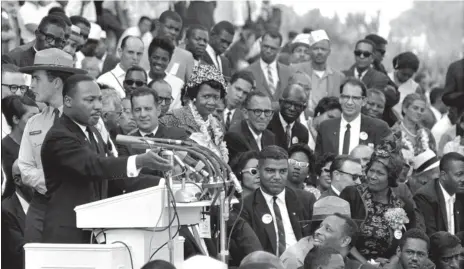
(49, 34)
(379, 51)
(252, 133)
(283, 124)
(342, 135)
(345, 171)
(135, 77)
(363, 70)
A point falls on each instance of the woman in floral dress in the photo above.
(370, 201)
(204, 90)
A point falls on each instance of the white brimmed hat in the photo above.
(317, 36)
(425, 161)
(95, 31)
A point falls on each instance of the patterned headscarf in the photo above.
(203, 73)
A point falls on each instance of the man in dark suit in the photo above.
(454, 85)
(283, 124)
(241, 84)
(49, 34)
(274, 211)
(270, 75)
(442, 198)
(221, 37)
(363, 70)
(342, 135)
(14, 209)
(251, 133)
(75, 163)
(196, 40)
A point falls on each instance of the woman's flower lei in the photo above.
(218, 145)
(396, 218)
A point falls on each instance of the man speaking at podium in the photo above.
(75, 161)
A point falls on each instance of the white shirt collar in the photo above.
(356, 73)
(335, 190)
(255, 136)
(284, 123)
(356, 121)
(264, 65)
(24, 203)
(211, 52)
(118, 71)
(153, 132)
(270, 198)
(82, 127)
(446, 194)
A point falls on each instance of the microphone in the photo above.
(237, 185)
(171, 141)
(141, 141)
(190, 162)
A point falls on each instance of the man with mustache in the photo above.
(413, 251)
(51, 68)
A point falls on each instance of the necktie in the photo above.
(288, 135)
(151, 135)
(197, 237)
(56, 114)
(229, 114)
(346, 140)
(218, 60)
(280, 228)
(258, 141)
(93, 142)
(270, 79)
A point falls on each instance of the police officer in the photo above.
(50, 69)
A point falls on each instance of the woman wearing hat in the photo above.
(405, 66)
(416, 138)
(204, 90)
(375, 203)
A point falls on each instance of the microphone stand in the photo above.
(217, 182)
(169, 155)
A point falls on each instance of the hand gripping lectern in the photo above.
(141, 220)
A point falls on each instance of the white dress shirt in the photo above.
(275, 74)
(226, 111)
(257, 137)
(24, 203)
(6, 129)
(355, 129)
(114, 79)
(436, 113)
(216, 58)
(176, 89)
(356, 73)
(449, 202)
(290, 238)
(131, 167)
(441, 127)
(74, 7)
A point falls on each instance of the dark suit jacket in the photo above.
(284, 73)
(329, 133)
(226, 65)
(147, 177)
(236, 118)
(431, 204)
(109, 64)
(299, 132)
(13, 222)
(299, 205)
(240, 139)
(372, 79)
(74, 175)
(454, 82)
(21, 56)
(328, 192)
(191, 247)
(10, 151)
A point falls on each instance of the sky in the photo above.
(389, 10)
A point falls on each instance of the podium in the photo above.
(138, 219)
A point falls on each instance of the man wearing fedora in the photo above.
(50, 69)
(336, 230)
(425, 170)
(49, 34)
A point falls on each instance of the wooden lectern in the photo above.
(141, 220)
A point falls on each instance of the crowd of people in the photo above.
(354, 168)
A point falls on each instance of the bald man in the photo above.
(363, 153)
(262, 257)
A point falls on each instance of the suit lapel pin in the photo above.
(363, 136)
(267, 218)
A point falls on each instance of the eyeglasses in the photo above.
(252, 171)
(130, 82)
(14, 88)
(365, 54)
(289, 103)
(297, 163)
(345, 98)
(353, 176)
(258, 112)
(165, 100)
(50, 38)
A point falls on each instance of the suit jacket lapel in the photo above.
(293, 208)
(368, 76)
(277, 127)
(335, 132)
(249, 136)
(19, 212)
(441, 203)
(278, 89)
(458, 207)
(366, 128)
(261, 209)
(74, 128)
(262, 78)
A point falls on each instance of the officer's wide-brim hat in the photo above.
(328, 206)
(53, 59)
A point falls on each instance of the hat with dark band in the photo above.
(53, 59)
